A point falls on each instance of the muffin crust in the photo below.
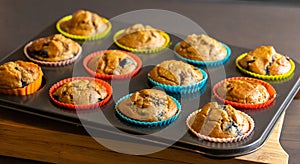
(265, 60)
(142, 37)
(18, 74)
(113, 62)
(201, 48)
(80, 92)
(84, 23)
(175, 73)
(148, 105)
(220, 121)
(53, 48)
(243, 91)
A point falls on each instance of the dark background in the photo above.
(247, 24)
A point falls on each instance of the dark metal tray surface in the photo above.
(99, 120)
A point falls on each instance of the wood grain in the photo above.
(36, 143)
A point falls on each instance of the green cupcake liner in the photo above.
(81, 37)
(148, 50)
(264, 77)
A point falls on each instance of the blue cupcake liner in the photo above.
(205, 63)
(186, 89)
(144, 123)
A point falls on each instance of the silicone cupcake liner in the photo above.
(81, 37)
(269, 88)
(151, 50)
(205, 63)
(265, 77)
(104, 76)
(143, 123)
(182, 89)
(80, 107)
(192, 116)
(27, 90)
(50, 63)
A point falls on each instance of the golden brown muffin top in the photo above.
(243, 91)
(173, 72)
(201, 48)
(148, 105)
(142, 37)
(113, 62)
(18, 74)
(84, 23)
(53, 48)
(265, 60)
(80, 92)
(220, 121)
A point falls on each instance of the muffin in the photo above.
(140, 38)
(148, 105)
(199, 49)
(112, 64)
(53, 50)
(221, 123)
(20, 78)
(84, 24)
(245, 92)
(80, 93)
(173, 73)
(264, 60)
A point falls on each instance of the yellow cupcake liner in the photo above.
(145, 50)
(265, 77)
(81, 37)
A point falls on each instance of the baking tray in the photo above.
(40, 104)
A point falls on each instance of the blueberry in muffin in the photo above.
(201, 48)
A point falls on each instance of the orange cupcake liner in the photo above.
(54, 63)
(80, 107)
(269, 87)
(265, 77)
(27, 90)
(191, 118)
(105, 76)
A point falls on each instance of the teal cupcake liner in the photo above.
(205, 63)
(144, 123)
(182, 89)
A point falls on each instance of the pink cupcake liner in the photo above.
(50, 63)
(192, 116)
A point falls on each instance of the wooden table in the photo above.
(42, 144)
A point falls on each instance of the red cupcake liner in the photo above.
(270, 89)
(52, 63)
(80, 107)
(105, 76)
(191, 117)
